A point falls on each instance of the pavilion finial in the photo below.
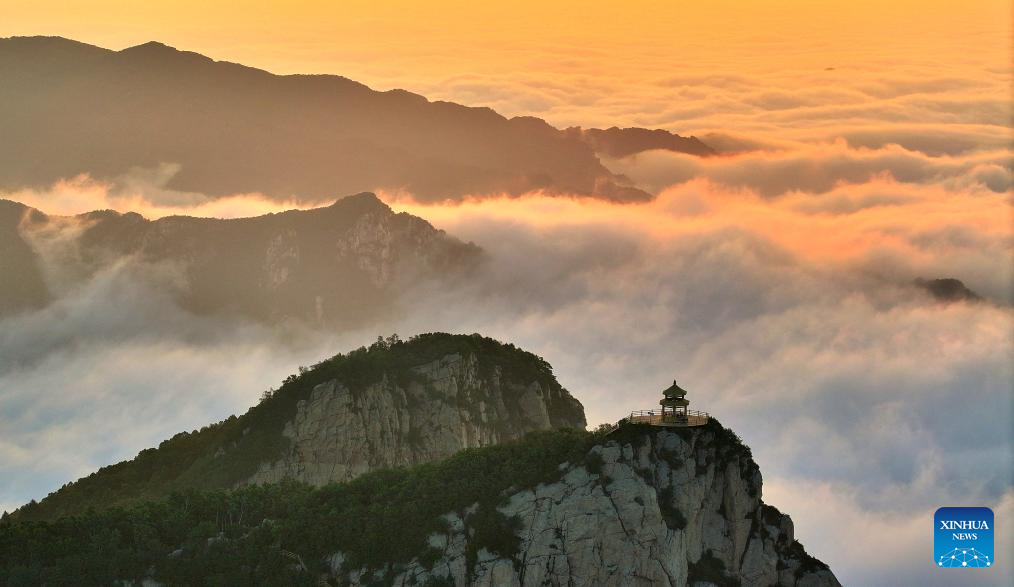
(674, 390)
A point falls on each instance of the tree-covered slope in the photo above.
(662, 506)
(499, 380)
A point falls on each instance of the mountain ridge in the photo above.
(337, 266)
(536, 501)
(72, 108)
(617, 143)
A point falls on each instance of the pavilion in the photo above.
(674, 411)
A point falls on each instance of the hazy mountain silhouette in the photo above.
(622, 142)
(68, 108)
(340, 266)
(948, 289)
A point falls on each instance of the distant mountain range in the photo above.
(68, 108)
(339, 266)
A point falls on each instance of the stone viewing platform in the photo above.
(674, 411)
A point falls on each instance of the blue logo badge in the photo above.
(963, 537)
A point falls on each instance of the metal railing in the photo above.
(655, 418)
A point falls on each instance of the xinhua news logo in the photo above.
(963, 537)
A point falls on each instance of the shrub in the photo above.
(593, 463)
(711, 569)
(671, 515)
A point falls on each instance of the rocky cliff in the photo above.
(640, 506)
(442, 460)
(443, 406)
(394, 404)
(643, 508)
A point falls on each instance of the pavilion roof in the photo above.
(674, 390)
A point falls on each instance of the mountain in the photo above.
(622, 142)
(394, 404)
(68, 108)
(496, 482)
(639, 506)
(338, 266)
(948, 289)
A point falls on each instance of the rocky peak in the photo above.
(670, 507)
(396, 403)
(637, 506)
(430, 411)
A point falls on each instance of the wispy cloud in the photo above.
(144, 191)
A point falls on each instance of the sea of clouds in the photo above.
(791, 317)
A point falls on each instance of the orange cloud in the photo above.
(818, 168)
(845, 225)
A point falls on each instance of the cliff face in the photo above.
(565, 507)
(447, 405)
(653, 509)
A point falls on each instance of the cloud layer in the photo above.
(144, 191)
(817, 169)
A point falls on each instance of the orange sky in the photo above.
(515, 56)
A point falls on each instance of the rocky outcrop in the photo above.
(340, 432)
(649, 509)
